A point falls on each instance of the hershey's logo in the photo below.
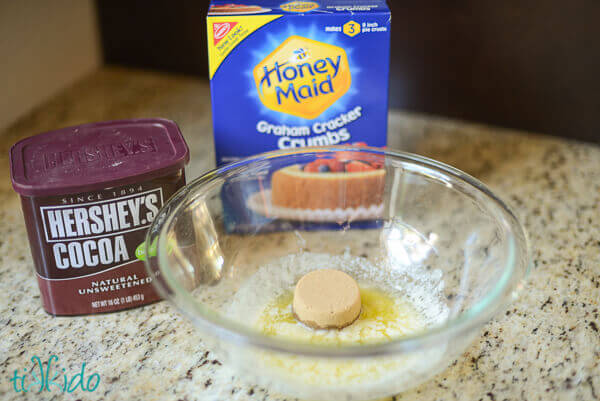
(95, 233)
(90, 154)
(100, 218)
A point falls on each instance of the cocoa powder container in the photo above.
(89, 193)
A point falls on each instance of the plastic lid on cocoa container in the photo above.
(96, 156)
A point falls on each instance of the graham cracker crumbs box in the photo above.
(295, 74)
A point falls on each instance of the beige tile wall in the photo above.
(44, 47)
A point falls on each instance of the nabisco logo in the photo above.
(303, 77)
(221, 29)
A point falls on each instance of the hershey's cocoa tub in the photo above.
(88, 194)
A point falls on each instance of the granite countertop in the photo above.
(546, 346)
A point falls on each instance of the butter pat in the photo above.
(327, 299)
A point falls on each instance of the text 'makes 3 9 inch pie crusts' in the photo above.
(294, 74)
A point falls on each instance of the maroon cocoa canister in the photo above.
(89, 193)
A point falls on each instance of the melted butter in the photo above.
(383, 317)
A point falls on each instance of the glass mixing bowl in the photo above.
(438, 234)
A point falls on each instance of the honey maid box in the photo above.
(295, 74)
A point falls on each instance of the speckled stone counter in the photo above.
(546, 346)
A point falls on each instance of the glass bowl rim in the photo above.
(225, 328)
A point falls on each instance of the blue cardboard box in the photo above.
(287, 74)
(292, 74)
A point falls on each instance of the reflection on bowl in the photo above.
(446, 252)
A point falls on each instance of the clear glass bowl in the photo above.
(439, 230)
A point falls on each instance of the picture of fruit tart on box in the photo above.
(232, 8)
(347, 187)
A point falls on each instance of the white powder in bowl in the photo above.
(255, 285)
(418, 297)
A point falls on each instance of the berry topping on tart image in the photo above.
(347, 181)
